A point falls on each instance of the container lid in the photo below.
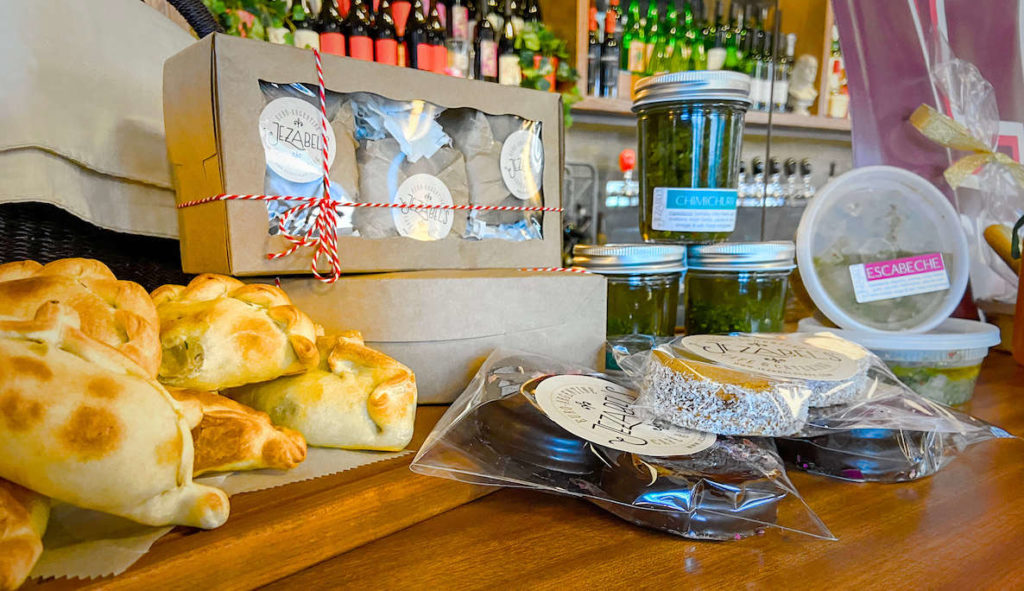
(953, 334)
(742, 256)
(695, 85)
(881, 249)
(620, 259)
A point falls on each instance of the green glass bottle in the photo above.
(652, 34)
(633, 44)
(694, 31)
(731, 33)
(665, 49)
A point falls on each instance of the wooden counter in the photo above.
(961, 529)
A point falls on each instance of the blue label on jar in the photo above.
(694, 210)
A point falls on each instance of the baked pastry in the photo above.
(725, 492)
(23, 517)
(231, 436)
(357, 398)
(711, 398)
(871, 455)
(116, 313)
(81, 423)
(220, 333)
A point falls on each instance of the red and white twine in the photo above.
(325, 242)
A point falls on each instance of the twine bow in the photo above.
(946, 131)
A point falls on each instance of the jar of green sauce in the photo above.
(643, 288)
(737, 287)
(690, 134)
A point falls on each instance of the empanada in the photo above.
(231, 436)
(82, 424)
(357, 398)
(220, 333)
(116, 313)
(23, 517)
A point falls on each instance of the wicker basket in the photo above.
(45, 233)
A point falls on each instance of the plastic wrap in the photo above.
(388, 151)
(521, 422)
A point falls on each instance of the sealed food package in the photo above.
(504, 165)
(532, 422)
(746, 384)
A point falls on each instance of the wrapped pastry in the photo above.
(116, 313)
(82, 424)
(219, 333)
(23, 518)
(230, 436)
(357, 398)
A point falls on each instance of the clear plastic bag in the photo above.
(521, 422)
(746, 384)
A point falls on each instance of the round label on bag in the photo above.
(522, 164)
(290, 132)
(423, 224)
(774, 357)
(602, 412)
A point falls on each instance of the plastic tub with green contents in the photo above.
(942, 364)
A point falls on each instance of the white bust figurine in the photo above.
(802, 92)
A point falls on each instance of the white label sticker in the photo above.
(774, 356)
(290, 132)
(423, 224)
(602, 412)
(522, 164)
(694, 210)
(884, 280)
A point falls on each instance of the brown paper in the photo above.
(442, 324)
(212, 102)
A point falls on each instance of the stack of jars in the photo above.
(690, 127)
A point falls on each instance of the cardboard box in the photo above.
(212, 106)
(443, 324)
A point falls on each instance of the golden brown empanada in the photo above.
(81, 423)
(115, 313)
(23, 518)
(357, 398)
(219, 333)
(231, 436)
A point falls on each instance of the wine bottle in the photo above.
(485, 66)
(533, 13)
(400, 10)
(716, 41)
(698, 57)
(593, 54)
(518, 15)
(385, 39)
(436, 40)
(360, 34)
(305, 35)
(652, 35)
(460, 20)
(732, 40)
(418, 52)
(633, 45)
(609, 74)
(494, 13)
(331, 28)
(509, 72)
(783, 69)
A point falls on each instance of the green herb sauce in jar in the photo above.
(737, 287)
(690, 132)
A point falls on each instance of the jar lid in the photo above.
(952, 335)
(618, 259)
(695, 85)
(743, 256)
(882, 249)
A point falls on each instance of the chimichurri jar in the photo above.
(643, 288)
(737, 287)
(690, 128)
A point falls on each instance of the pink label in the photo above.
(925, 263)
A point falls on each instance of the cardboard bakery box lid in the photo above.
(212, 103)
(426, 306)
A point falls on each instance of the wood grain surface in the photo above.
(960, 529)
(276, 532)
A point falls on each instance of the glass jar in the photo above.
(737, 287)
(690, 132)
(643, 287)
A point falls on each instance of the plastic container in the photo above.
(941, 365)
(881, 249)
(737, 287)
(690, 130)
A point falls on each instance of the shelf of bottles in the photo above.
(464, 38)
(626, 42)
